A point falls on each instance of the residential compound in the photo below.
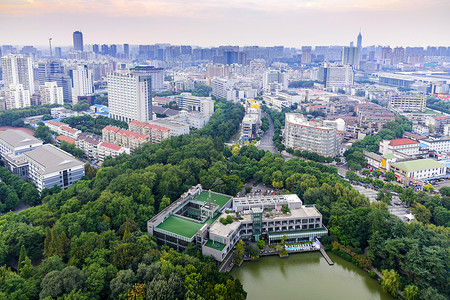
(196, 218)
(122, 137)
(18, 77)
(405, 103)
(312, 136)
(44, 165)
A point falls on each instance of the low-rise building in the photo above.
(17, 142)
(88, 142)
(417, 171)
(197, 216)
(204, 105)
(403, 148)
(122, 137)
(106, 149)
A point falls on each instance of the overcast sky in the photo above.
(291, 23)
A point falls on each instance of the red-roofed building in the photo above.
(63, 129)
(155, 132)
(106, 149)
(63, 138)
(403, 148)
(125, 138)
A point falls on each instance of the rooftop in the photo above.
(418, 164)
(215, 245)
(18, 138)
(218, 199)
(52, 159)
(180, 226)
(110, 146)
(66, 139)
(400, 142)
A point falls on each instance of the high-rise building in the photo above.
(58, 52)
(350, 56)
(95, 48)
(105, 49)
(113, 50)
(47, 68)
(404, 103)
(17, 96)
(18, 69)
(78, 41)
(204, 105)
(386, 52)
(306, 55)
(52, 94)
(126, 50)
(398, 56)
(82, 82)
(336, 76)
(359, 41)
(157, 75)
(130, 96)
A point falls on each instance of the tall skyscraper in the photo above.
(350, 56)
(78, 41)
(17, 96)
(306, 54)
(82, 82)
(113, 50)
(130, 97)
(126, 50)
(95, 48)
(18, 69)
(359, 41)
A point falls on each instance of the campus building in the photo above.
(402, 148)
(312, 136)
(197, 216)
(49, 166)
(204, 105)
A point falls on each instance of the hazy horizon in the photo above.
(208, 23)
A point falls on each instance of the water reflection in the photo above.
(307, 276)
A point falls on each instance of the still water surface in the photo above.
(306, 276)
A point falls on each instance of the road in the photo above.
(266, 142)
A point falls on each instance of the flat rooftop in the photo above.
(188, 228)
(18, 138)
(418, 164)
(272, 199)
(52, 159)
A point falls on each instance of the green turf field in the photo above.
(180, 226)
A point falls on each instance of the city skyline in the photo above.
(212, 23)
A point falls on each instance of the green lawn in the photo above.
(220, 199)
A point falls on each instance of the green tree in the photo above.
(389, 175)
(253, 251)
(261, 244)
(408, 196)
(421, 213)
(165, 201)
(240, 248)
(390, 282)
(411, 292)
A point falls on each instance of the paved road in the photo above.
(371, 194)
(266, 142)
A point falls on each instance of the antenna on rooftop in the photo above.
(50, 43)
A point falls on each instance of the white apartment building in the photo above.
(401, 103)
(106, 149)
(17, 97)
(130, 97)
(311, 136)
(222, 88)
(204, 105)
(440, 145)
(52, 94)
(399, 147)
(82, 82)
(18, 69)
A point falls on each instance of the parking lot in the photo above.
(371, 194)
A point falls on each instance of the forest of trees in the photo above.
(93, 243)
(439, 105)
